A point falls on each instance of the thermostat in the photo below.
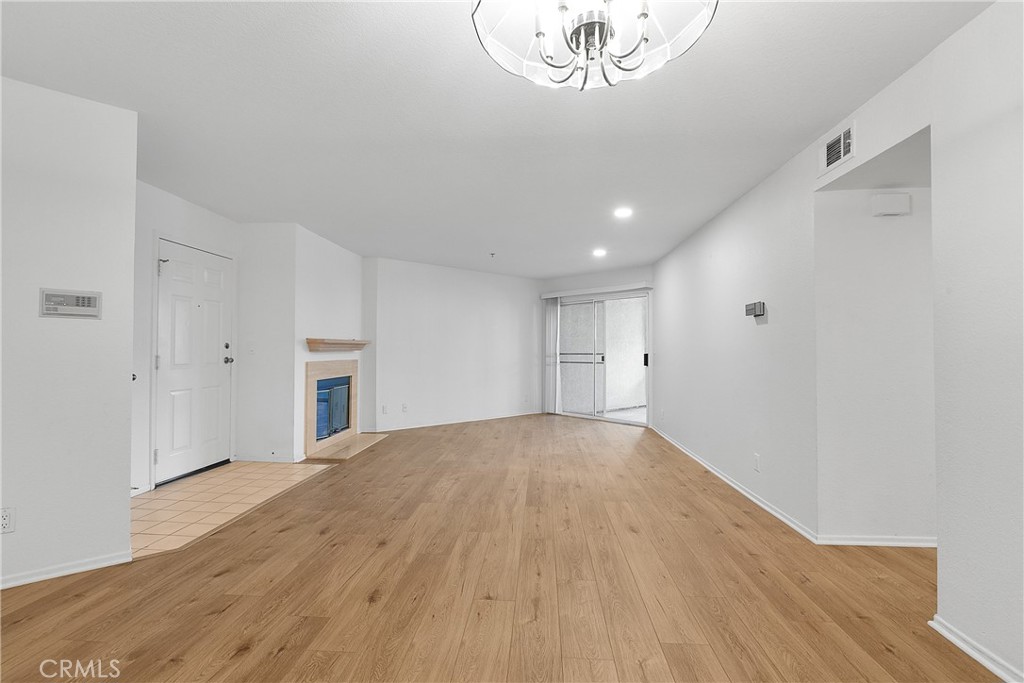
(67, 303)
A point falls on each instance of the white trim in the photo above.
(894, 541)
(66, 568)
(792, 522)
(806, 532)
(636, 286)
(994, 663)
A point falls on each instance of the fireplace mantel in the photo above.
(318, 344)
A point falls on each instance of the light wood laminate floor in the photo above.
(531, 548)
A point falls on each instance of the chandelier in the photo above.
(588, 44)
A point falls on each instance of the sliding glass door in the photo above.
(602, 358)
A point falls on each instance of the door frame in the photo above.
(596, 296)
(154, 341)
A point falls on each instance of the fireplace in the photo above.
(331, 404)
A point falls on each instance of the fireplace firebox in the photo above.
(331, 418)
(332, 406)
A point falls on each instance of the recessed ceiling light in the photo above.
(600, 252)
(623, 212)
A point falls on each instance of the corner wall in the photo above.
(875, 356)
(68, 223)
(160, 214)
(265, 362)
(978, 240)
(328, 304)
(292, 284)
(758, 384)
(726, 385)
(454, 345)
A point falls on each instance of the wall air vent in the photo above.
(837, 149)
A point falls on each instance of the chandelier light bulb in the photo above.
(587, 44)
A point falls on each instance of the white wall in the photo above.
(756, 382)
(328, 304)
(265, 362)
(368, 406)
(160, 214)
(68, 222)
(726, 385)
(977, 240)
(454, 345)
(875, 356)
(292, 284)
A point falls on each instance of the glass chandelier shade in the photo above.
(587, 44)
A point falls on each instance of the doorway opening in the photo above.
(603, 357)
(874, 307)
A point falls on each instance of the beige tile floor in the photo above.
(182, 511)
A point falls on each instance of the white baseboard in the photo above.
(797, 526)
(985, 657)
(806, 532)
(893, 541)
(65, 569)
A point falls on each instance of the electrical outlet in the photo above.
(757, 462)
(7, 520)
(405, 407)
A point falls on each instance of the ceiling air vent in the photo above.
(838, 149)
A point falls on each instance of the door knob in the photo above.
(228, 359)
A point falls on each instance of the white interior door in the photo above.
(195, 351)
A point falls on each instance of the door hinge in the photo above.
(156, 456)
(157, 365)
(160, 266)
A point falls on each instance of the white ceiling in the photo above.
(386, 128)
